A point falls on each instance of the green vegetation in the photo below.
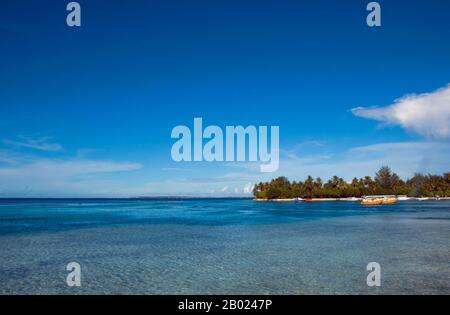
(385, 183)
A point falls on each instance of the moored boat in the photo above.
(389, 200)
(370, 201)
(379, 200)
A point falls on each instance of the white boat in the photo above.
(403, 198)
(422, 198)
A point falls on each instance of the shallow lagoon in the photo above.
(223, 247)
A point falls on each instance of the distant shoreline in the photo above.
(356, 199)
(129, 198)
(162, 198)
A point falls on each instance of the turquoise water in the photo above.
(223, 246)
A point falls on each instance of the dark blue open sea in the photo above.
(222, 246)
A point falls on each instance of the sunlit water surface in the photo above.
(223, 247)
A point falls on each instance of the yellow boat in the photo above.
(379, 200)
(370, 201)
(389, 200)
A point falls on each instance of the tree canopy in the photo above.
(385, 182)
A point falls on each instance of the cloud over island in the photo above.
(426, 114)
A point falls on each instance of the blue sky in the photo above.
(89, 111)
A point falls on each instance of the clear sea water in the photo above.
(222, 246)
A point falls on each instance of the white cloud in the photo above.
(9, 158)
(62, 178)
(40, 144)
(47, 167)
(395, 147)
(426, 114)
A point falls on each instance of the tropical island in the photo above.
(385, 182)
